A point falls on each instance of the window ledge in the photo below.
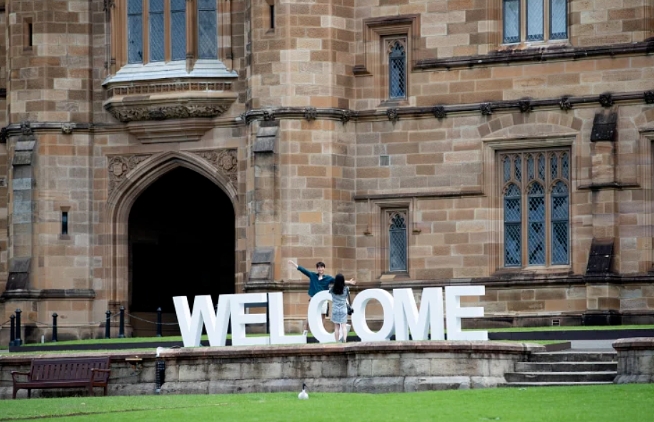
(167, 70)
(166, 91)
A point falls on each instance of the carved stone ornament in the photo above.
(649, 97)
(525, 106)
(346, 115)
(392, 114)
(439, 112)
(177, 111)
(120, 165)
(108, 4)
(310, 113)
(67, 128)
(486, 109)
(26, 128)
(224, 160)
(268, 115)
(565, 104)
(606, 100)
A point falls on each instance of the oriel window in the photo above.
(157, 30)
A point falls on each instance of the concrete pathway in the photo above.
(592, 345)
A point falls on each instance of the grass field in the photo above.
(491, 330)
(614, 403)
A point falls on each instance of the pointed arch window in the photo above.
(536, 206)
(397, 241)
(397, 69)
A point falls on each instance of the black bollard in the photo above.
(121, 328)
(12, 330)
(158, 322)
(54, 326)
(107, 325)
(17, 340)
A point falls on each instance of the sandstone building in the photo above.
(153, 148)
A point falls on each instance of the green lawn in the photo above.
(614, 403)
(490, 330)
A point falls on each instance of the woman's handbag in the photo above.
(350, 311)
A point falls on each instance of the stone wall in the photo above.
(355, 367)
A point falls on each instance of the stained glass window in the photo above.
(397, 242)
(164, 36)
(207, 30)
(135, 31)
(558, 19)
(534, 20)
(536, 218)
(178, 29)
(511, 21)
(156, 21)
(397, 71)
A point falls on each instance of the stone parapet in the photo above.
(355, 367)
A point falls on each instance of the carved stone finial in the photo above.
(392, 114)
(26, 128)
(486, 109)
(606, 99)
(67, 128)
(565, 104)
(310, 113)
(346, 115)
(649, 97)
(439, 112)
(525, 106)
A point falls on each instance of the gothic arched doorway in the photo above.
(181, 243)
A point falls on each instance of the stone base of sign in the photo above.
(391, 366)
(635, 360)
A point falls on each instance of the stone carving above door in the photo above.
(120, 166)
(224, 160)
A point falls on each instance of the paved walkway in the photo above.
(592, 345)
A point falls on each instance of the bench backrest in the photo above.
(68, 369)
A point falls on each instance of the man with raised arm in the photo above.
(318, 282)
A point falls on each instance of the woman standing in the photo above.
(339, 292)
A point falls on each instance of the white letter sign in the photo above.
(400, 316)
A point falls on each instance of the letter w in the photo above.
(203, 312)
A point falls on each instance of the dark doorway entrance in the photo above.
(181, 243)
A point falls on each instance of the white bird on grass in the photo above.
(303, 394)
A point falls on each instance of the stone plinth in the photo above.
(635, 360)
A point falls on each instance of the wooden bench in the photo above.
(80, 372)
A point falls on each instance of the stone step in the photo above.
(565, 366)
(552, 384)
(574, 357)
(573, 377)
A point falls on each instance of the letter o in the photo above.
(359, 323)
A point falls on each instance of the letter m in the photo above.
(408, 319)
